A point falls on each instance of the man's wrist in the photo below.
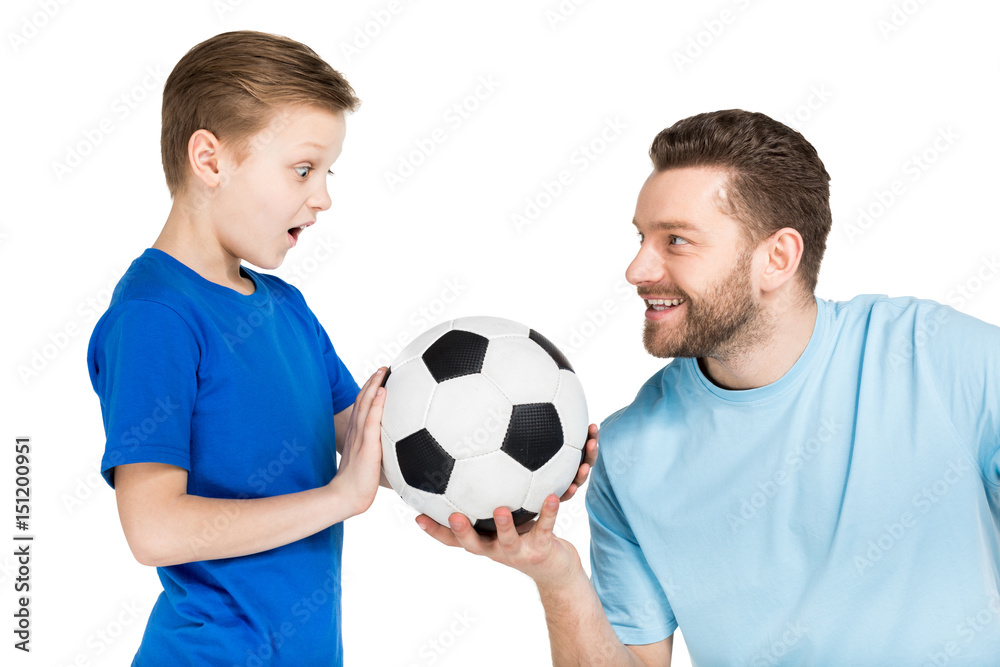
(561, 584)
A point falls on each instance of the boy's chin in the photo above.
(266, 263)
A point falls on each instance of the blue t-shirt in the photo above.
(846, 514)
(240, 391)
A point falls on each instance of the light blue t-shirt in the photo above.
(846, 514)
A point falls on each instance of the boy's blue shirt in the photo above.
(846, 514)
(240, 391)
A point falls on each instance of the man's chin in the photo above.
(660, 349)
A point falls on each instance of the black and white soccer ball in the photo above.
(480, 413)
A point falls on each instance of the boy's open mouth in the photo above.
(294, 232)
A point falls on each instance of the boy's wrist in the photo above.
(341, 500)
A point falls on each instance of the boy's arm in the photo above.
(164, 525)
(579, 631)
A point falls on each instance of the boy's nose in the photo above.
(321, 200)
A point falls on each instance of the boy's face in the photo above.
(280, 186)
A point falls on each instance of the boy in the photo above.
(223, 398)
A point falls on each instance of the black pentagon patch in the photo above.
(388, 372)
(424, 464)
(557, 356)
(485, 526)
(534, 434)
(455, 354)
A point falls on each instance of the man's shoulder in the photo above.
(658, 388)
(908, 316)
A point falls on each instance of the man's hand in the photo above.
(589, 459)
(538, 553)
(531, 547)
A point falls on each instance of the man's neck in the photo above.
(767, 360)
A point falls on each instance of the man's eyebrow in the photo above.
(670, 225)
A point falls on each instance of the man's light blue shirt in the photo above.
(846, 514)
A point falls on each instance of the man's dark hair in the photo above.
(776, 178)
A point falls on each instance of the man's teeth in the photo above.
(663, 304)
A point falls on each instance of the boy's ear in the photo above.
(203, 156)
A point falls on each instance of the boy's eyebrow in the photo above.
(670, 225)
(311, 144)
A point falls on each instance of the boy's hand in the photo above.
(357, 477)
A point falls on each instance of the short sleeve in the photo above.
(963, 355)
(630, 593)
(143, 360)
(343, 388)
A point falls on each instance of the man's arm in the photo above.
(579, 630)
(164, 525)
(580, 634)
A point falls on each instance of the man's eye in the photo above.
(679, 240)
(641, 237)
(303, 171)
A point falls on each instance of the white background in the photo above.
(880, 95)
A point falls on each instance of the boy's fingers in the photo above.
(363, 402)
(372, 436)
(366, 385)
(373, 420)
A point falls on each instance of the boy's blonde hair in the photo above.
(232, 84)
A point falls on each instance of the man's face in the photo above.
(279, 187)
(693, 252)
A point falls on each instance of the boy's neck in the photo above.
(191, 239)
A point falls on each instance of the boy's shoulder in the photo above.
(146, 279)
(155, 276)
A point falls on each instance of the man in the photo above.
(808, 481)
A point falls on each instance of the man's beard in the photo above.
(721, 323)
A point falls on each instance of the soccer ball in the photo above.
(480, 413)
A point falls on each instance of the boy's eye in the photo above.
(303, 171)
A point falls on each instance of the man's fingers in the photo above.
(547, 518)
(590, 447)
(507, 535)
(467, 537)
(440, 533)
(570, 492)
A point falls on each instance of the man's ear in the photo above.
(203, 155)
(784, 253)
